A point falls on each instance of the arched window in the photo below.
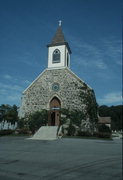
(56, 56)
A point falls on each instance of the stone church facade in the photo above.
(57, 86)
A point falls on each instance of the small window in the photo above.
(56, 56)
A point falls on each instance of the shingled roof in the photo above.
(59, 39)
(59, 36)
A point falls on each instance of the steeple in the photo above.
(59, 39)
(59, 50)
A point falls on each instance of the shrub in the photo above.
(104, 134)
(95, 134)
(23, 131)
(103, 128)
(71, 130)
(104, 131)
(84, 133)
(37, 119)
(6, 132)
(21, 123)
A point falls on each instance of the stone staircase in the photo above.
(46, 133)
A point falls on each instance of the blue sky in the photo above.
(91, 27)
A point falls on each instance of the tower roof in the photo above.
(59, 39)
(59, 36)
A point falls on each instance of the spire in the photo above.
(59, 38)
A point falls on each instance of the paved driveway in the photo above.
(63, 159)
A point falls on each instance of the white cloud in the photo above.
(28, 59)
(14, 97)
(10, 94)
(2, 91)
(113, 49)
(89, 55)
(14, 80)
(110, 98)
(99, 64)
(10, 98)
(10, 87)
(7, 76)
(99, 54)
(26, 82)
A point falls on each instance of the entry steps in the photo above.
(46, 133)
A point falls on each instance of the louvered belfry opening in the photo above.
(54, 113)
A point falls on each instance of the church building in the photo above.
(58, 87)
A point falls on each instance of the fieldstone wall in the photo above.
(39, 94)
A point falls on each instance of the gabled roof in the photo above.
(59, 39)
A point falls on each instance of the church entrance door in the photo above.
(54, 114)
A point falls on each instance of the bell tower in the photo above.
(58, 51)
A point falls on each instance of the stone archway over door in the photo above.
(54, 114)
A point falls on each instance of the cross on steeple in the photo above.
(60, 22)
(59, 38)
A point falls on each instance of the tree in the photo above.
(3, 111)
(74, 117)
(37, 119)
(104, 110)
(21, 123)
(12, 115)
(2, 114)
(104, 131)
(8, 113)
(115, 112)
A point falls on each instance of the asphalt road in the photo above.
(63, 159)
